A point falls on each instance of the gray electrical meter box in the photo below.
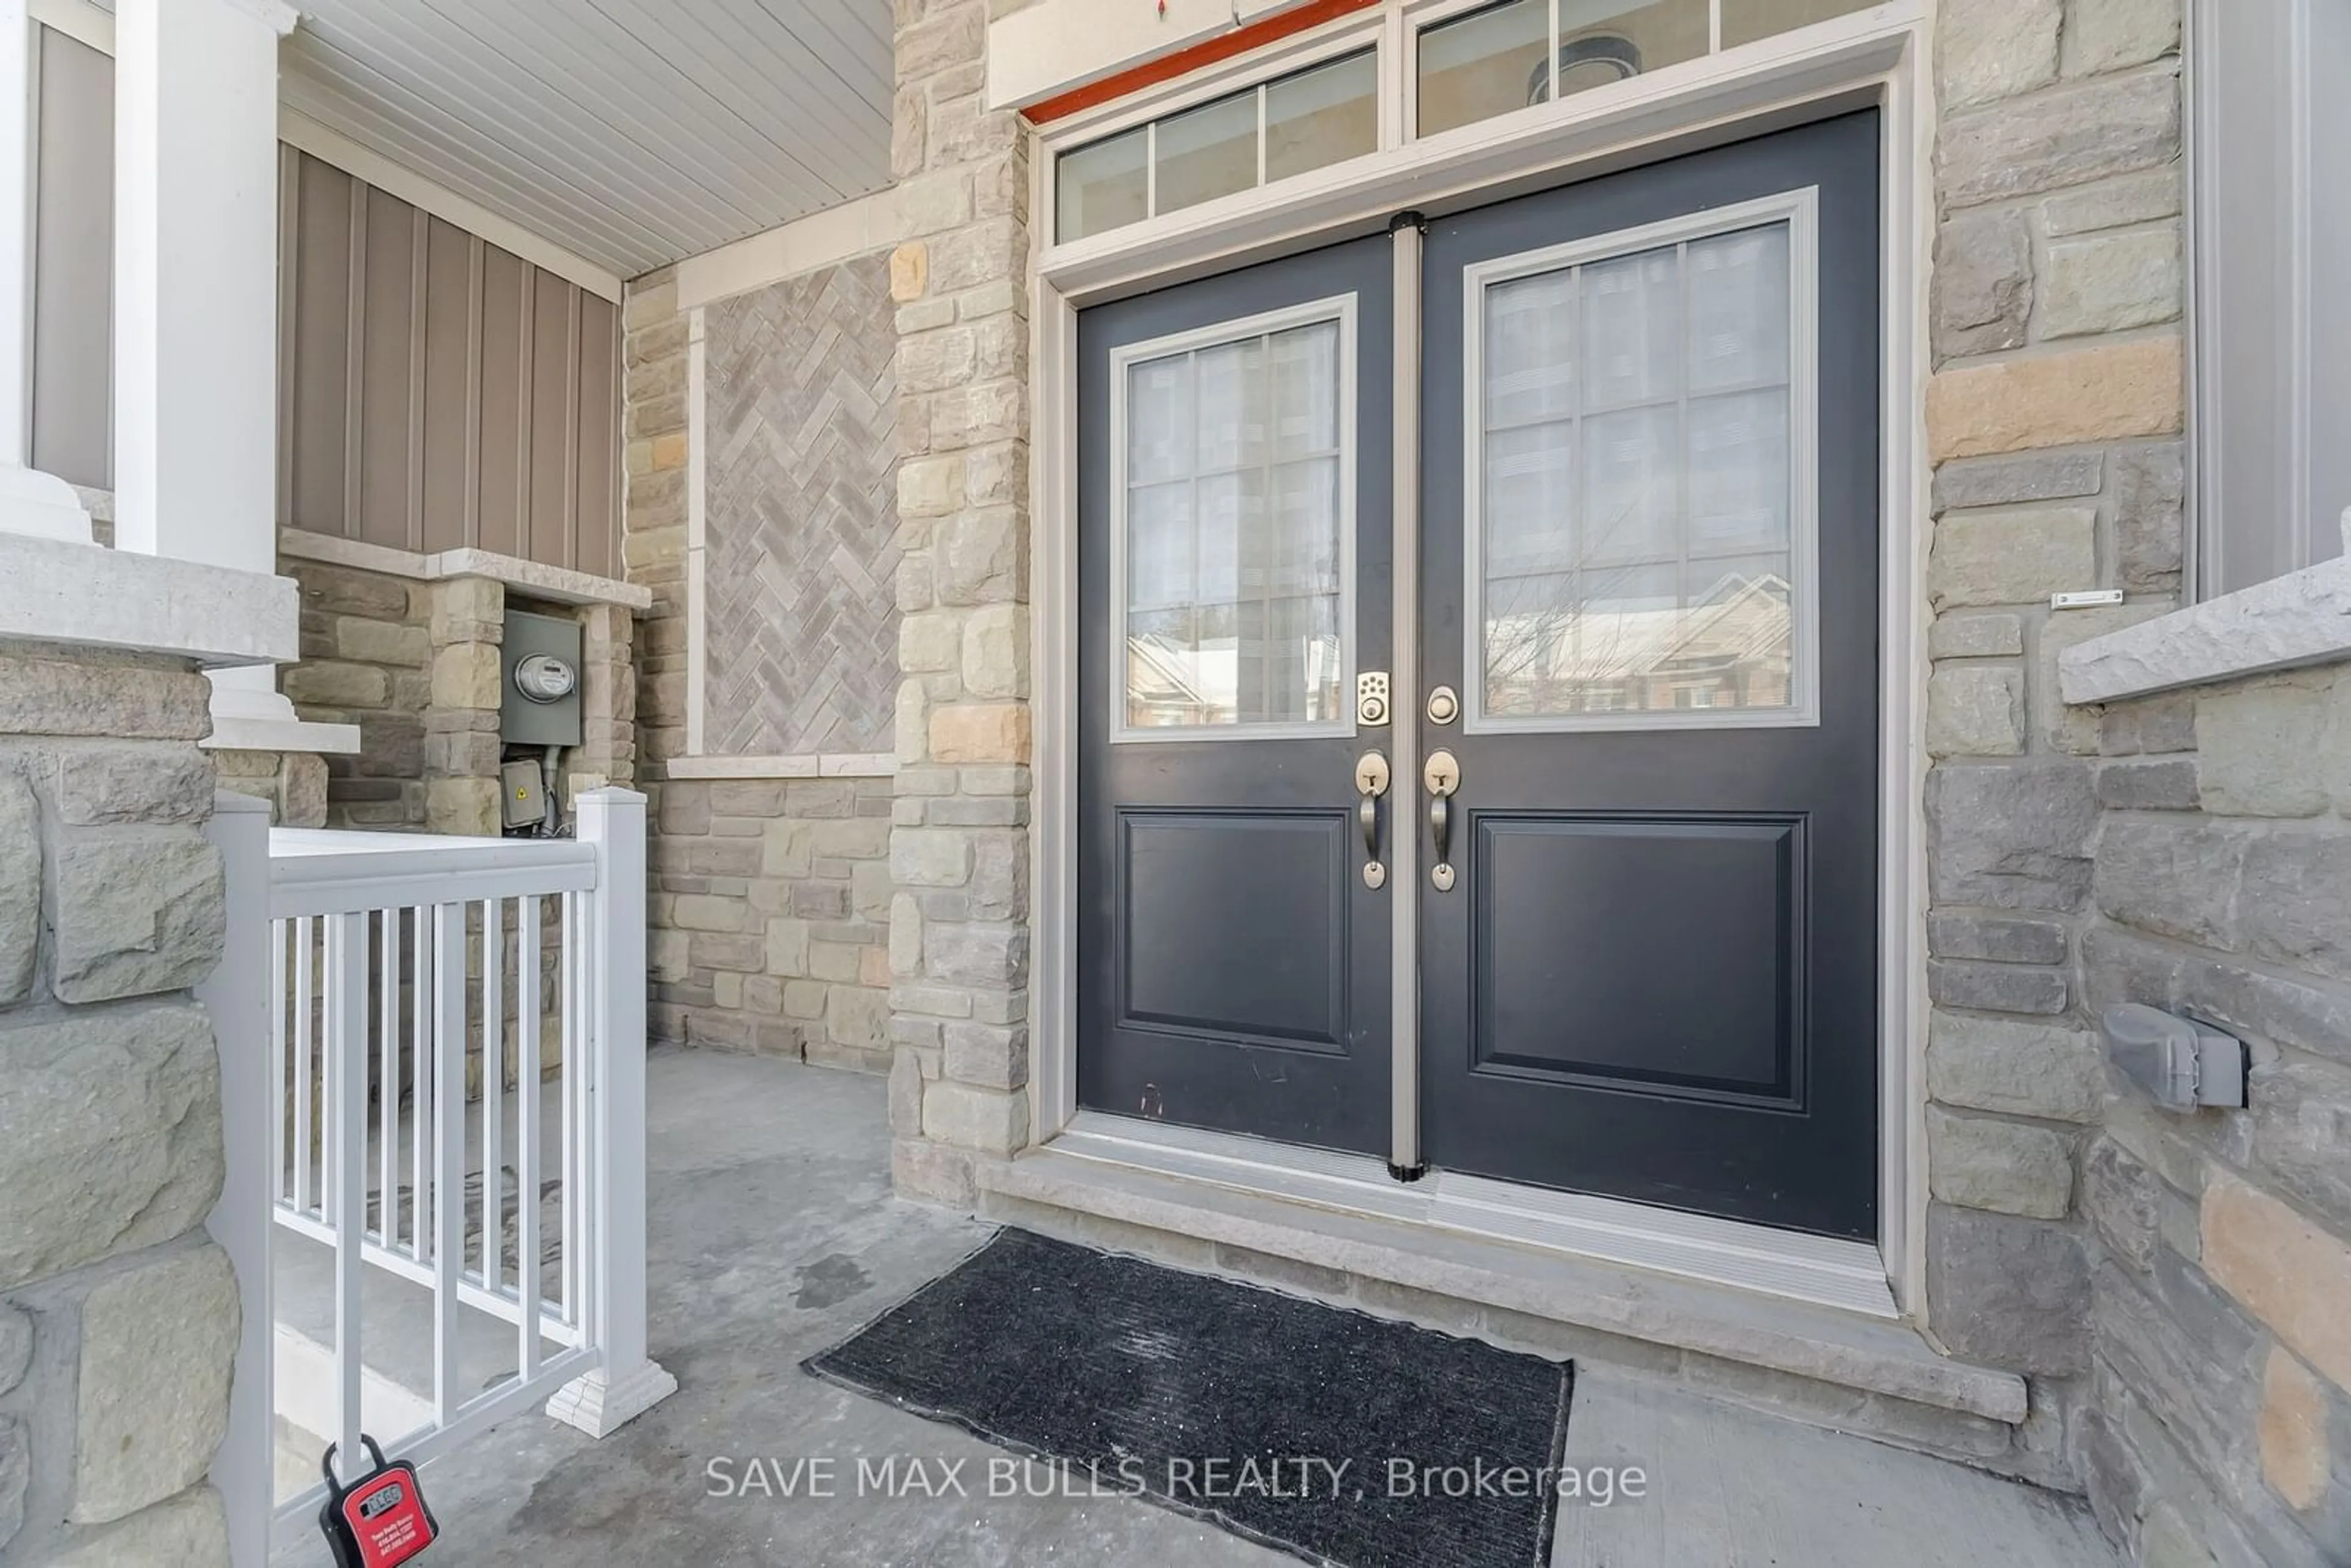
(540, 662)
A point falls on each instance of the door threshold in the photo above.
(1848, 1275)
(1799, 1357)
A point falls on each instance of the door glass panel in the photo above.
(1531, 358)
(1633, 312)
(1235, 534)
(1739, 310)
(1637, 545)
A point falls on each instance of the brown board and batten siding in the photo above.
(439, 393)
(435, 391)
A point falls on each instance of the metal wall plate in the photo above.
(1372, 697)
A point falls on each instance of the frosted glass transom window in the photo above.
(1637, 544)
(1512, 55)
(1290, 125)
(1234, 533)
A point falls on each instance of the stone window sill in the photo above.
(2302, 617)
(828, 765)
(534, 578)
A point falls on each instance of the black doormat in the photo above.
(1344, 1438)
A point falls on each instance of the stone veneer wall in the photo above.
(415, 664)
(959, 941)
(293, 782)
(2219, 1321)
(770, 898)
(118, 1317)
(2054, 419)
(2163, 1280)
(799, 616)
(367, 657)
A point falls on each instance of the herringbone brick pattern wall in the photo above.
(801, 517)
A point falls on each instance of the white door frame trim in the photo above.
(1877, 58)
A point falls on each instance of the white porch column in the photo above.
(195, 317)
(31, 502)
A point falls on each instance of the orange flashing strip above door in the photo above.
(1206, 52)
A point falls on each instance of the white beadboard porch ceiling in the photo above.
(630, 132)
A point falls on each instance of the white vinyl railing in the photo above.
(451, 1075)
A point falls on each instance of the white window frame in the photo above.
(1799, 209)
(1423, 15)
(2254, 365)
(1392, 33)
(1252, 72)
(1258, 88)
(1340, 309)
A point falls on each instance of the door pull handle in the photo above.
(1443, 777)
(1371, 779)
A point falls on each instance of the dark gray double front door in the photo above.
(1647, 536)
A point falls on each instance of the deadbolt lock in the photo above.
(1372, 697)
(1444, 706)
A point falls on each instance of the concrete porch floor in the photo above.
(774, 1234)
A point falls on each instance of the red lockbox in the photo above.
(379, 1521)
